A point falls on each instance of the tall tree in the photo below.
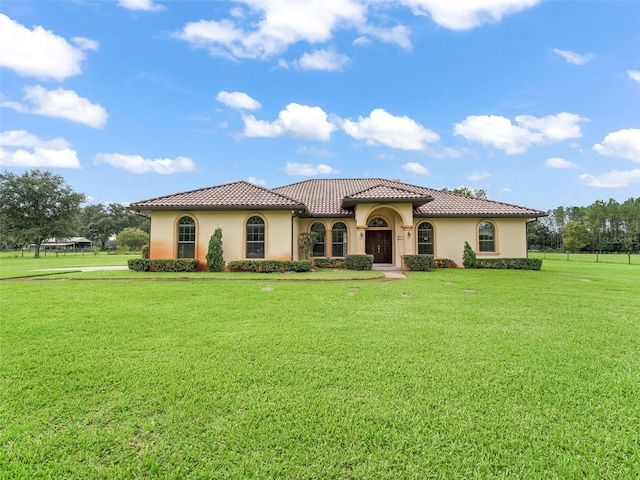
(38, 205)
(576, 236)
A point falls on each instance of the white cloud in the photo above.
(573, 57)
(61, 103)
(555, 162)
(28, 151)
(478, 176)
(416, 168)
(238, 100)
(86, 43)
(315, 152)
(144, 5)
(380, 127)
(138, 164)
(634, 75)
(327, 60)
(299, 121)
(398, 35)
(621, 144)
(308, 169)
(257, 181)
(614, 179)
(464, 15)
(280, 23)
(500, 133)
(39, 53)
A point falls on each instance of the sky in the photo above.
(536, 102)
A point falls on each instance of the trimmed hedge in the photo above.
(419, 263)
(444, 263)
(163, 265)
(329, 263)
(509, 263)
(359, 262)
(270, 266)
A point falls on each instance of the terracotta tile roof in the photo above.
(230, 196)
(382, 193)
(335, 198)
(323, 197)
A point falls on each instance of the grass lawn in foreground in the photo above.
(448, 374)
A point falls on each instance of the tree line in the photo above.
(38, 205)
(608, 227)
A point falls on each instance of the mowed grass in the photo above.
(448, 374)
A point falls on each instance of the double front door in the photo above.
(378, 243)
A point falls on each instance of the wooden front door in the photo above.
(378, 244)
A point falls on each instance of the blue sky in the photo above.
(538, 102)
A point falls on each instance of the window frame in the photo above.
(319, 248)
(486, 242)
(186, 237)
(255, 237)
(425, 247)
(341, 244)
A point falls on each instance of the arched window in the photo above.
(377, 222)
(339, 240)
(186, 238)
(425, 238)
(255, 237)
(486, 237)
(318, 247)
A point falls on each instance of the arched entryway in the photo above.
(379, 240)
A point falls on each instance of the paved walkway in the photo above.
(83, 269)
(395, 275)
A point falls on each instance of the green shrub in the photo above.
(163, 265)
(270, 266)
(510, 263)
(444, 263)
(359, 262)
(468, 256)
(215, 258)
(329, 263)
(145, 251)
(419, 263)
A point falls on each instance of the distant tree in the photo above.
(37, 205)
(215, 258)
(99, 223)
(132, 238)
(468, 192)
(575, 235)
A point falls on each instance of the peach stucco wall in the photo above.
(163, 243)
(449, 233)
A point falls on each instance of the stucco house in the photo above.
(385, 218)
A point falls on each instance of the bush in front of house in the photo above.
(215, 255)
(419, 263)
(163, 265)
(329, 263)
(270, 266)
(145, 251)
(510, 263)
(468, 256)
(444, 263)
(359, 262)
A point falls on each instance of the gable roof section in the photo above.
(230, 196)
(382, 193)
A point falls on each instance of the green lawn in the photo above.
(448, 374)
